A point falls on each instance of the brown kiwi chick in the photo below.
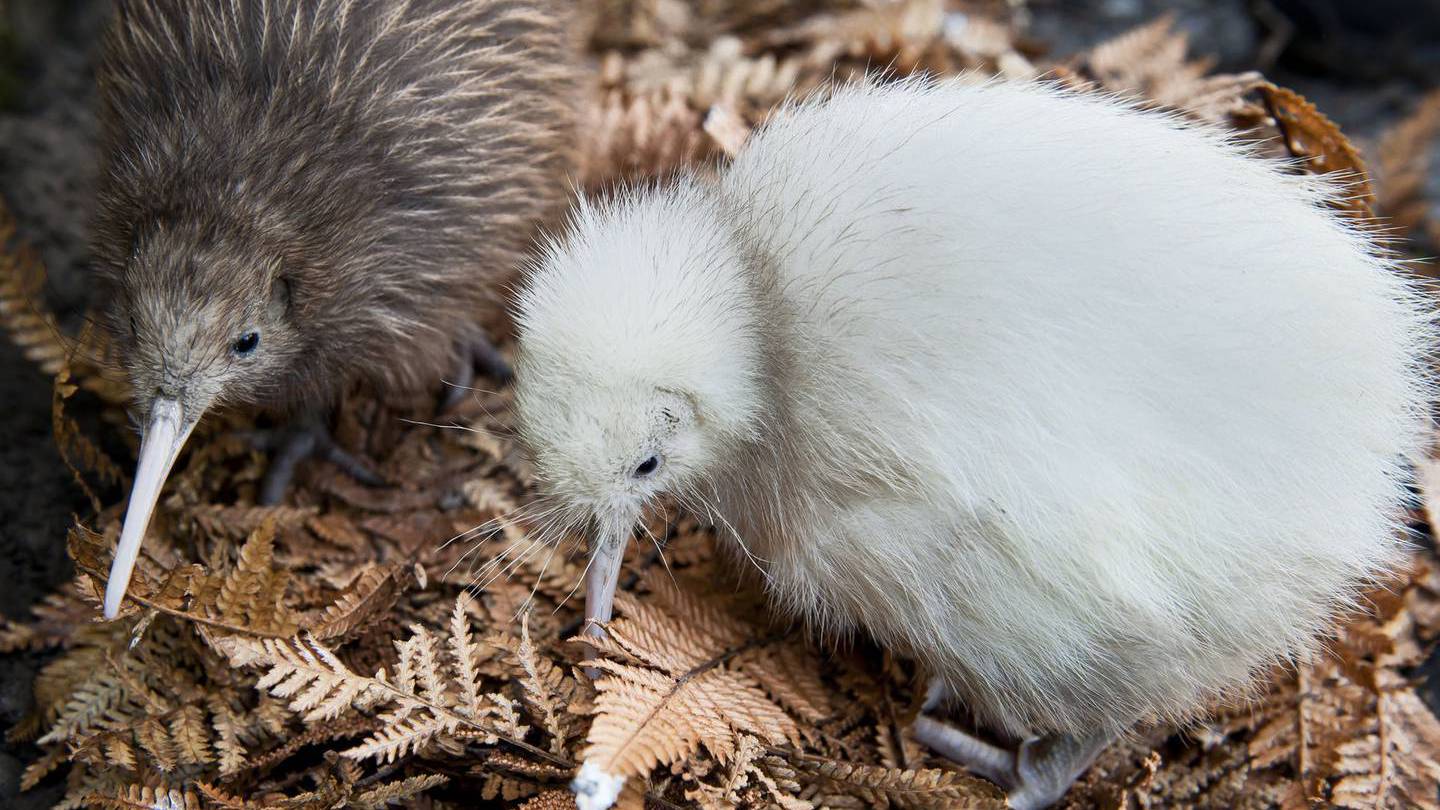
(301, 195)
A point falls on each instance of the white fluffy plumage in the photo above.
(1090, 409)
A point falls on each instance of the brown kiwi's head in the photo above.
(199, 317)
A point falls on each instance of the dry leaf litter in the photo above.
(339, 652)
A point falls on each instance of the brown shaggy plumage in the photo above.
(359, 178)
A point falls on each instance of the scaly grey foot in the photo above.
(1046, 767)
(477, 355)
(981, 758)
(303, 439)
(1036, 776)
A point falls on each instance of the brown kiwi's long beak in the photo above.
(165, 434)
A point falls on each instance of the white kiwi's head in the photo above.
(609, 450)
(639, 362)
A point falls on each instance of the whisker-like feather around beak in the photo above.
(165, 434)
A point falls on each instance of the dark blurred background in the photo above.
(1365, 64)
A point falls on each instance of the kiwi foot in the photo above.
(1035, 775)
(303, 439)
(477, 356)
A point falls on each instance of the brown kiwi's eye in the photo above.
(647, 467)
(246, 343)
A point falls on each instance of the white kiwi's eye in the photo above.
(246, 343)
(647, 467)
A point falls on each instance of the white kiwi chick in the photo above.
(1090, 410)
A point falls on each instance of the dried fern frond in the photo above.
(1403, 163)
(790, 674)
(624, 23)
(923, 787)
(251, 594)
(640, 135)
(371, 595)
(428, 699)
(551, 800)
(1396, 766)
(1315, 139)
(334, 787)
(231, 754)
(136, 797)
(36, 771)
(26, 318)
(33, 328)
(1151, 64)
(344, 728)
(191, 736)
(651, 108)
(101, 702)
(339, 530)
(669, 690)
(81, 455)
(1137, 59)
(315, 683)
(125, 708)
(904, 35)
(543, 686)
(397, 792)
(54, 621)
(239, 522)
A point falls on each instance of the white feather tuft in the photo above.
(595, 789)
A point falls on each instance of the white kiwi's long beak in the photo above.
(607, 551)
(164, 436)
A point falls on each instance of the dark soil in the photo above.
(1364, 64)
